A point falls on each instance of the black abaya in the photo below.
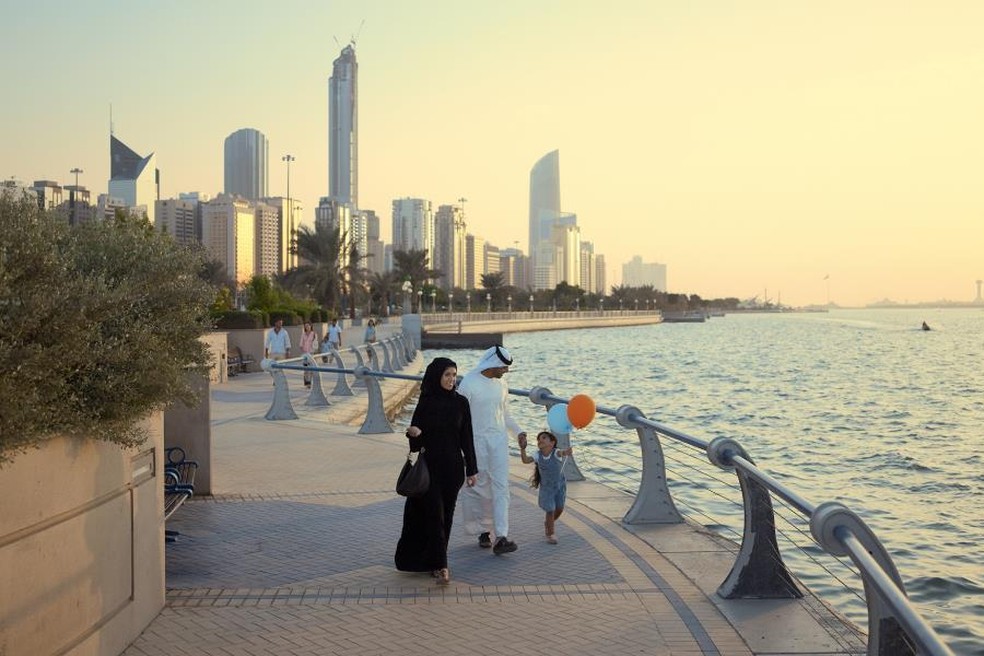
(446, 435)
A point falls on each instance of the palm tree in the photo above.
(353, 274)
(383, 287)
(493, 282)
(321, 274)
(412, 265)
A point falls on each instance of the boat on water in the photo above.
(684, 317)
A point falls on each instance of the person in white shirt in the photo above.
(485, 506)
(335, 335)
(277, 345)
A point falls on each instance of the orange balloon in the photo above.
(580, 410)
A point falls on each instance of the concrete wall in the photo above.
(81, 546)
(191, 429)
(218, 347)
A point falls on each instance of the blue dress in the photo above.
(553, 485)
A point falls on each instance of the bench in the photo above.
(179, 483)
(236, 362)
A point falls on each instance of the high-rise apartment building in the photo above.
(376, 260)
(474, 261)
(286, 257)
(343, 128)
(636, 273)
(247, 161)
(268, 237)
(588, 280)
(601, 279)
(449, 246)
(229, 234)
(492, 257)
(514, 266)
(567, 239)
(177, 218)
(134, 179)
(413, 226)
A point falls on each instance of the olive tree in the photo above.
(99, 325)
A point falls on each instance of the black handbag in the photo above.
(414, 478)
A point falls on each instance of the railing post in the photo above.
(399, 352)
(571, 471)
(759, 571)
(376, 421)
(281, 407)
(387, 365)
(653, 502)
(373, 358)
(341, 385)
(886, 637)
(359, 362)
(317, 396)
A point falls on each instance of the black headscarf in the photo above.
(431, 384)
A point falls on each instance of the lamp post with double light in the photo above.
(488, 301)
(637, 305)
(420, 300)
(509, 304)
(434, 302)
(531, 306)
(468, 301)
(290, 217)
(451, 303)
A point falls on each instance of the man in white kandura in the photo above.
(485, 506)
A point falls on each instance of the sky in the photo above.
(804, 151)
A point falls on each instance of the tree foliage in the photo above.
(99, 325)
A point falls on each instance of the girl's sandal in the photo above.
(443, 576)
(551, 539)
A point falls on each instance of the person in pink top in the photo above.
(309, 344)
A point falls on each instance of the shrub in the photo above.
(99, 326)
(232, 319)
(289, 317)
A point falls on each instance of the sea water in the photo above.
(857, 406)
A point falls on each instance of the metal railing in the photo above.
(895, 627)
(518, 314)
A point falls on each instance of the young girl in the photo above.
(548, 476)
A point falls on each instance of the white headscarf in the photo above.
(497, 356)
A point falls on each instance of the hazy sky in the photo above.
(748, 145)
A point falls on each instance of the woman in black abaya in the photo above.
(441, 424)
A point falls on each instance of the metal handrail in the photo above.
(894, 625)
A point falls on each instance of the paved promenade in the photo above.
(294, 555)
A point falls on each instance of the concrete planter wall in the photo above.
(81, 546)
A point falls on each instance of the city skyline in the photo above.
(750, 148)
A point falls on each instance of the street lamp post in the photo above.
(577, 306)
(468, 301)
(488, 300)
(75, 195)
(290, 217)
(434, 302)
(601, 306)
(509, 304)
(450, 302)
(637, 305)
(420, 296)
(531, 306)
(619, 305)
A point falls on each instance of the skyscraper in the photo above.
(133, 178)
(343, 129)
(544, 198)
(544, 211)
(247, 157)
